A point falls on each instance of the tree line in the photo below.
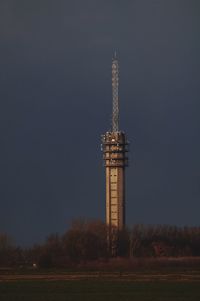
(87, 241)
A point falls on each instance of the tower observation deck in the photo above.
(115, 148)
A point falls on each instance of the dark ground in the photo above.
(151, 285)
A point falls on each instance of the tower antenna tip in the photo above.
(115, 96)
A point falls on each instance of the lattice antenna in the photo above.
(115, 94)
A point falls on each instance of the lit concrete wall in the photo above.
(114, 148)
(115, 197)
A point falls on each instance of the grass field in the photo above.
(99, 289)
(159, 284)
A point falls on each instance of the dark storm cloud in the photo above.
(55, 59)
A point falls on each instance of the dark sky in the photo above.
(55, 102)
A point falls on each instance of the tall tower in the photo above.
(114, 149)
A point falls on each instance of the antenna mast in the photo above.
(115, 94)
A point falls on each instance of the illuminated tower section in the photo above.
(115, 160)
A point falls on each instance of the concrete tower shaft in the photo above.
(115, 161)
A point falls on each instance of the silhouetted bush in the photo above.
(45, 261)
(87, 241)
